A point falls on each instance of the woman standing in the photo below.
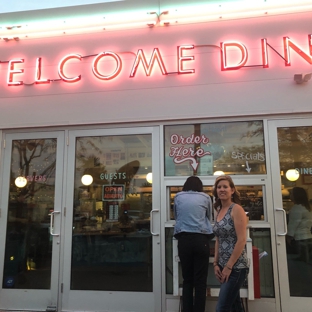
(192, 210)
(230, 262)
(300, 220)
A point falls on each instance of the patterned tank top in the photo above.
(225, 232)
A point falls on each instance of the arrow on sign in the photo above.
(193, 161)
(247, 167)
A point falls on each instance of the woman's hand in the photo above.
(218, 273)
(225, 274)
(222, 276)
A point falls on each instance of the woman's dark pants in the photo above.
(194, 251)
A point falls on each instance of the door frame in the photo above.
(79, 300)
(32, 299)
(286, 302)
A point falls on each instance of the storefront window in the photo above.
(112, 242)
(28, 248)
(295, 160)
(251, 200)
(205, 149)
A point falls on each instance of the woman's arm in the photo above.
(295, 217)
(216, 267)
(240, 224)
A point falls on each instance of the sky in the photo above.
(26, 5)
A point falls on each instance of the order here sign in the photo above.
(113, 192)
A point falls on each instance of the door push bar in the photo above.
(151, 221)
(52, 223)
(285, 221)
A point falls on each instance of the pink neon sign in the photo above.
(98, 58)
(12, 71)
(61, 68)
(184, 61)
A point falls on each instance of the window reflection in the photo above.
(112, 243)
(295, 150)
(251, 200)
(202, 149)
(28, 248)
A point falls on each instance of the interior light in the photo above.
(87, 179)
(20, 182)
(292, 174)
(149, 178)
(217, 173)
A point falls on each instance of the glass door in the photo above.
(30, 220)
(291, 162)
(112, 224)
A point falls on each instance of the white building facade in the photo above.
(137, 96)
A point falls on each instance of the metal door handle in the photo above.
(285, 221)
(52, 222)
(151, 221)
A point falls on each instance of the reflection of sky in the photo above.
(26, 5)
(232, 133)
(230, 144)
(112, 153)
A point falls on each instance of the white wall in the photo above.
(207, 93)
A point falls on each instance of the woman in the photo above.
(230, 261)
(192, 210)
(300, 220)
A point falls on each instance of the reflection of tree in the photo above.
(130, 169)
(257, 131)
(89, 164)
(295, 148)
(88, 160)
(245, 149)
(31, 155)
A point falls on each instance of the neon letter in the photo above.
(264, 46)
(182, 59)
(289, 44)
(97, 59)
(61, 68)
(12, 71)
(38, 73)
(239, 45)
(148, 67)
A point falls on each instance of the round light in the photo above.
(217, 173)
(86, 179)
(20, 182)
(292, 174)
(149, 177)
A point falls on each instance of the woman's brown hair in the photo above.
(300, 196)
(193, 183)
(235, 195)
